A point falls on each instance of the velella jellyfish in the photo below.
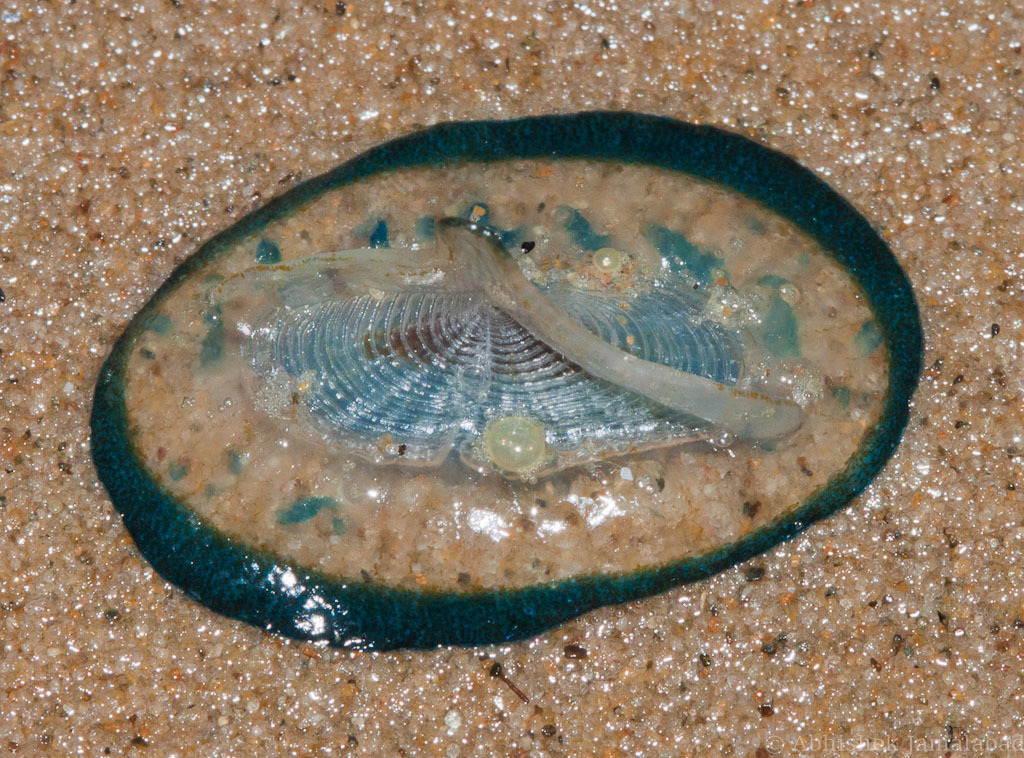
(483, 378)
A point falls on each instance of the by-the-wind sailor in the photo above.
(488, 376)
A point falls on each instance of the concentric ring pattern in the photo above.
(428, 370)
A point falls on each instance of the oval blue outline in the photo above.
(257, 588)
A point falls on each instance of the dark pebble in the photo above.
(573, 650)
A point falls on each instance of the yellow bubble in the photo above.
(608, 260)
(515, 444)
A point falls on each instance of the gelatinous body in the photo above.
(465, 387)
(427, 358)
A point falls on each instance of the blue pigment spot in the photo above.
(211, 349)
(268, 252)
(236, 462)
(772, 281)
(868, 338)
(580, 231)
(157, 322)
(304, 509)
(842, 396)
(379, 235)
(780, 331)
(674, 246)
(779, 327)
(425, 227)
(177, 471)
(340, 526)
(511, 238)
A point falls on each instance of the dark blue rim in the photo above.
(261, 589)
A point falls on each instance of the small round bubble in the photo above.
(515, 443)
(608, 260)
